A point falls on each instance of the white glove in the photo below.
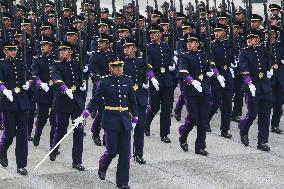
(78, 121)
(252, 89)
(83, 87)
(8, 94)
(270, 73)
(90, 53)
(133, 125)
(145, 86)
(221, 80)
(44, 87)
(172, 68)
(176, 59)
(175, 53)
(197, 85)
(210, 74)
(232, 72)
(69, 93)
(85, 70)
(282, 61)
(155, 83)
(26, 86)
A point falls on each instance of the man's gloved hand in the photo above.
(269, 73)
(26, 86)
(145, 86)
(79, 121)
(85, 70)
(155, 83)
(221, 80)
(197, 85)
(8, 94)
(44, 87)
(83, 87)
(172, 68)
(232, 72)
(252, 89)
(69, 93)
(210, 74)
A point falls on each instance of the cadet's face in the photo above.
(117, 70)
(274, 22)
(67, 13)
(19, 38)
(187, 30)
(45, 48)
(223, 21)
(124, 34)
(104, 29)
(10, 53)
(72, 38)
(65, 54)
(155, 19)
(219, 34)
(47, 8)
(103, 45)
(255, 24)
(7, 23)
(52, 20)
(141, 23)
(166, 28)
(155, 36)
(130, 50)
(192, 45)
(78, 25)
(179, 22)
(20, 13)
(237, 30)
(46, 32)
(252, 41)
(275, 12)
(104, 15)
(27, 27)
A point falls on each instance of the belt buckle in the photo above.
(225, 67)
(163, 70)
(260, 75)
(275, 66)
(135, 87)
(200, 77)
(120, 109)
(17, 89)
(73, 88)
(50, 82)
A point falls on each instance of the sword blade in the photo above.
(46, 156)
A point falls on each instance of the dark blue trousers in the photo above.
(16, 125)
(160, 99)
(222, 98)
(138, 143)
(32, 110)
(277, 102)
(197, 115)
(43, 115)
(257, 106)
(117, 142)
(239, 96)
(62, 123)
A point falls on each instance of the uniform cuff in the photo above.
(85, 114)
(247, 79)
(150, 74)
(38, 82)
(215, 70)
(2, 87)
(63, 87)
(189, 79)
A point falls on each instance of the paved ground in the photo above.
(230, 164)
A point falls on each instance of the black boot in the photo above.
(209, 129)
(36, 141)
(165, 139)
(97, 140)
(236, 119)
(53, 155)
(78, 166)
(201, 152)
(139, 159)
(183, 144)
(178, 117)
(102, 174)
(22, 171)
(147, 133)
(244, 138)
(226, 134)
(276, 130)
(123, 186)
(3, 159)
(263, 147)
(1, 127)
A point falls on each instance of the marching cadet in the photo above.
(123, 32)
(48, 6)
(103, 28)
(72, 38)
(277, 81)
(7, 32)
(155, 16)
(179, 23)
(275, 10)
(255, 69)
(20, 15)
(135, 68)
(67, 16)
(68, 101)
(161, 85)
(45, 31)
(41, 74)
(119, 101)
(222, 84)
(238, 81)
(194, 68)
(99, 68)
(256, 21)
(14, 106)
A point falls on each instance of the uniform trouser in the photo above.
(16, 124)
(96, 127)
(1, 119)
(277, 99)
(222, 98)
(62, 122)
(197, 114)
(138, 143)
(43, 115)
(117, 142)
(238, 98)
(257, 106)
(162, 98)
(32, 110)
(180, 101)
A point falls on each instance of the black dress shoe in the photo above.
(52, 156)
(165, 139)
(140, 160)
(244, 139)
(236, 119)
(147, 133)
(102, 174)
(123, 186)
(78, 166)
(3, 160)
(178, 117)
(263, 147)
(183, 144)
(30, 138)
(201, 152)
(1, 127)
(276, 130)
(97, 140)
(22, 171)
(209, 129)
(225, 134)
(36, 141)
